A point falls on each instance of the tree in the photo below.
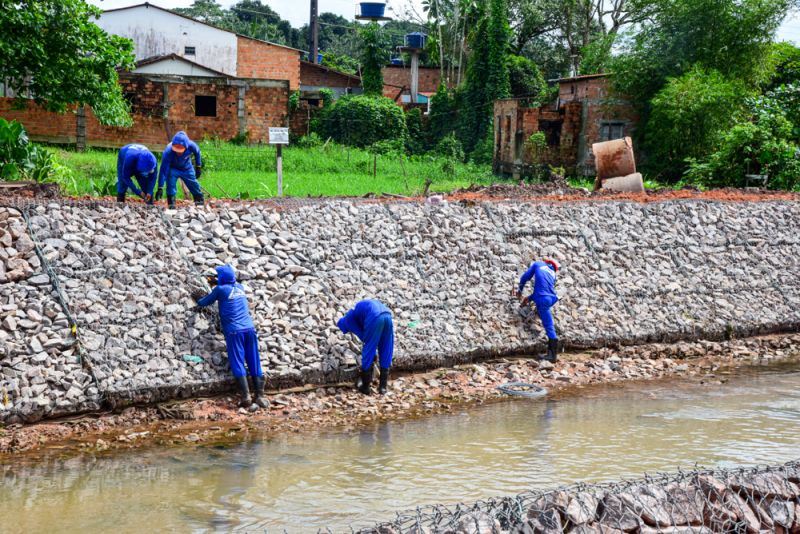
(53, 51)
(374, 55)
(525, 78)
(784, 65)
(441, 117)
(208, 11)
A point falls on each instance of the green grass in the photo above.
(249, 172)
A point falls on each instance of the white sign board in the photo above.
(279, 136)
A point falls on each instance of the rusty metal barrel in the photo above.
(614, 158)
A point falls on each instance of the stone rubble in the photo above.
(631, 273)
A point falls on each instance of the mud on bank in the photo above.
(413, 395)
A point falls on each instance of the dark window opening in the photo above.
(188, 51)
(130, 98)
(205, 106)
(552, 132)
(612, 130)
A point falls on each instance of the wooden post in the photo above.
(80, 133)
(279, 158)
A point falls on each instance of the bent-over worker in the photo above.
(544, 296)
(136, 160)
(176, 162)
(371, 321)
(241, 339)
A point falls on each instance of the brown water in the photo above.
(302, 482)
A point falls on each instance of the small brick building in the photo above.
(585, 113)
(397, 82)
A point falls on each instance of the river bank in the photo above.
(312, 408)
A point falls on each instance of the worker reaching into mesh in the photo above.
(371, 321)
(241, 339)
(136, 161)
(543, 273)
(176, 162)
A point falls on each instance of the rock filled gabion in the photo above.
(631, 273)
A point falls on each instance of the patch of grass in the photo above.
(233, 171)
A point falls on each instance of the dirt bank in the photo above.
(312, 409)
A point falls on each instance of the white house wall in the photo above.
(156, 32)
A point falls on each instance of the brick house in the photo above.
(584, 113)
(189, 76)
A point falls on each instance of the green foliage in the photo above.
(52, 50)
(21, 160)
(450, 148)
(294, 101)
(363, 120)
(340, 62)
(241, 138)
(328, 97)
(415, 141)
(311, 140)
(784, 65)
(687, 115)
(596, 56)
(441, 116)
(374, 55)
(525, 78)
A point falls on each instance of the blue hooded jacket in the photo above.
(233, 311)
(136, 160)
(544, 282)
(180, 162)
(360, 318)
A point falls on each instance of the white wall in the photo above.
(156, 32)
(174, 66)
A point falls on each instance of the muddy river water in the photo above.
(302, 482)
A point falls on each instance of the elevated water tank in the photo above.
(416, 40)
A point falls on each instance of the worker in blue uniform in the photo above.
(543, 273)
(240, 335)
(371, 321)
(176, 162)
(136, 161)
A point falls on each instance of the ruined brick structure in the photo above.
(220, 107)
(400, 76)
(585, 113)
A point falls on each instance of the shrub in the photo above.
(21, 160)
(415, 142)
(526, 78)
(363, 120)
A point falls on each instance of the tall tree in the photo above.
(53, 51)
(374, 55)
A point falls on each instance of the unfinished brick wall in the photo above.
(592, 87)
(265, 107)
(258, 59)
(40, 124)
(319, 76)
(429, 77)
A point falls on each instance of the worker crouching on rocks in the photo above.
(543, 273)
(371, 322)
(240, 335)
(136, 161)
(176, 162)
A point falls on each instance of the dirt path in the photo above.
(410, 396)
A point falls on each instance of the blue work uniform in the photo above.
(136, 160)
(240, 333)
(544, 293)
(371, 321)
(174, 166)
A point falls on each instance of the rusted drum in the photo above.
(614, 158)
(627, 184)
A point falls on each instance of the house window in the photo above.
(205, 106)
(612, 130)
(188, 50)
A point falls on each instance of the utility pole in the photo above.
(314, 30)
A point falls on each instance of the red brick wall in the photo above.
(429, 77)
(265, 107)
(257, 59)
(583, 89)
(41, 125)
(317, 76)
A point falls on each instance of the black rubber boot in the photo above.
(258, 391)
(120, 197)
(244, 392)
(171, 202)
(384, 381)
(199, 200)
(552, 350)
(366, 381)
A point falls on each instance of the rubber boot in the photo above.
(120, 197)
(171, 202)
(384, 381)
(244, 392)
(199, 200)
(366, 381)
(258, 390)
(552, 350)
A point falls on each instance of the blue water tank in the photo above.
(372, 9)
(397, 61)
(416, 40)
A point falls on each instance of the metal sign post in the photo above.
(279, 137)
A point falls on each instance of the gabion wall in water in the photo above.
(763, 499)
(123, 276)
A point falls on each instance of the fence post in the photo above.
(80, 129)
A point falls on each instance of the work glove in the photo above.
(160, 193)
(148, 198)
(198, 171)
(197, 294)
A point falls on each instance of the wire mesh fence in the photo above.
(740, 500)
